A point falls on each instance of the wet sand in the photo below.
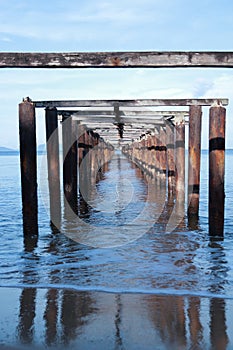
(37, 318)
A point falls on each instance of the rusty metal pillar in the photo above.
(195, 117)
(170, 142)
(52, 143)
(180, 158)
(217, 119)
(28, 165)
(69, 134)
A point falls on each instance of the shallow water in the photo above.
(67, 319)
(123, 243)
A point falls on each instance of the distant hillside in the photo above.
(8, 150)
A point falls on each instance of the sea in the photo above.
(128, 273)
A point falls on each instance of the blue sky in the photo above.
(112, 26)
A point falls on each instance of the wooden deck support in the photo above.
(216, 170)
(52, 143)
(28, 164)
(170, 143)
(70, 162)
(180, 159)
(195, 117)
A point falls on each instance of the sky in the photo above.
(103, 25)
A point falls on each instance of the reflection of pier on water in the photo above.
(96, 320)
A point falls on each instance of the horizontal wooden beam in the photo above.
(163, 59)
(122, 120)
(79, 115)
(127, 120)
(132, 103)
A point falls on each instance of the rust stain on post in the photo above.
(116, 62)
(217, 121)
(195, 118)
(28, 162)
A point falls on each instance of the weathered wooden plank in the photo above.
(154, 59)
(132, 103)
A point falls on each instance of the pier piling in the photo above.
(157, 146)
(28, 164)
(70, 162)
(195, 119)
(52, 143)
(170, 139)
(180, 159)
(217, 118)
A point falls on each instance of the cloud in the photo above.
(202, 87)
(75, 21)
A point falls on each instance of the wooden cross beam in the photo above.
(152, 59)
(132, 103)
(121, 120)
(103, 113)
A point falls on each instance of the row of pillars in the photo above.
(80, 167)
(161, 155)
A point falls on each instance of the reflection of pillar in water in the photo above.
(118, 338)
(218, 329)
(50, 316)
(195, 326)
(168, 316)
(75, 308)
(27, 315)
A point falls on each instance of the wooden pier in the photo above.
(154, 140)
